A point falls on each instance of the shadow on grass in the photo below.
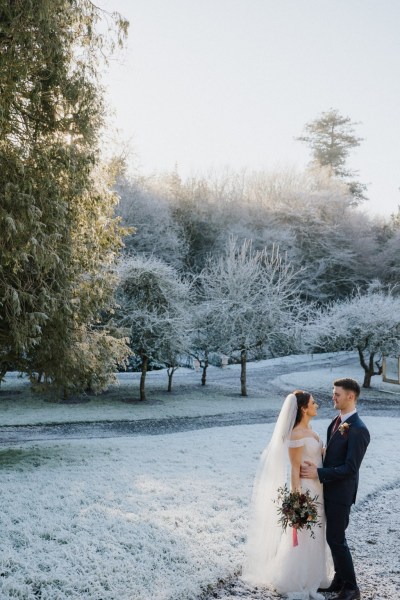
(12, 457)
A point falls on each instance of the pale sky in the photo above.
(210, 83)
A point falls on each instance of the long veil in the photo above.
(264, 532)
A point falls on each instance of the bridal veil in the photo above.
(264, 531)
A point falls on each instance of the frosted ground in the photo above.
(164, 517)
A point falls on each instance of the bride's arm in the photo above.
(295, 455)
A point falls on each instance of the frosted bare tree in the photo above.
(204, 338)
(154, 308)
(250, 295)
(332, 242)
(389, 255)
(366, 322)
(309, 215)
(176, 339)
(156, 233)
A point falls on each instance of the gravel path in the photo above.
(109, 429)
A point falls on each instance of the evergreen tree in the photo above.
(331, 137)
(58, 238)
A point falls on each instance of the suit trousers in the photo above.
(337, 520)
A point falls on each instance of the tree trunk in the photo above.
(369, 370)
(204, 373)
(170, 373)
(367, 379)
(40, 376)
(145, 362)
(89, 388)
(3, 371)
(243, 359)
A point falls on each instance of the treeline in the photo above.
(265, 258)
(334, 245)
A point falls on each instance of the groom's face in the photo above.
(342, 399)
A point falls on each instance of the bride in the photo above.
(271, 558)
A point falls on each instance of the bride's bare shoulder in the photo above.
(297, 434)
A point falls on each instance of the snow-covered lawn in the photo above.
(158, 517)
(141, 518)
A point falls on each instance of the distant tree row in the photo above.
(310, 216)
(243, 304)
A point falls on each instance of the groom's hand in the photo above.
(308, 470)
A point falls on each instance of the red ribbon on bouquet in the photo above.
(294, 537)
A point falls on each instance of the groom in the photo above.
(347, 441)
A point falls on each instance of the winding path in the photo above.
(260, 381)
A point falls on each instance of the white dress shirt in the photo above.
(347, 415)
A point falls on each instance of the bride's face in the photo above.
(312, 407)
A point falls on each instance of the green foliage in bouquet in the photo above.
(297, 509)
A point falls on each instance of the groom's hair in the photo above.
(348, 384)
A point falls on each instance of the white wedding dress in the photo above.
(296, 572)
(301, 570)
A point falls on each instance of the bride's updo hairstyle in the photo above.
(303, 398)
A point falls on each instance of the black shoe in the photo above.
(348, 595)
(335, 586)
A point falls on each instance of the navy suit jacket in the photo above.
(343, 457)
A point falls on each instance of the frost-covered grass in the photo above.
(154, 517)
(20, 406)
(138, 518)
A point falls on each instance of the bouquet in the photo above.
(297, 510)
